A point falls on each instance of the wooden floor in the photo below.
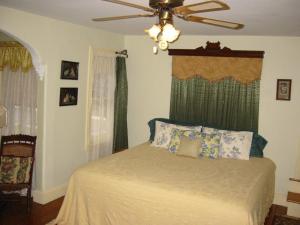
(16, 214)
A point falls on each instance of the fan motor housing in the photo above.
(166, 4)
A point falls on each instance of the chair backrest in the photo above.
(18, 145)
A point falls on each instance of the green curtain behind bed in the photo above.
(120, 141)
(225, 104)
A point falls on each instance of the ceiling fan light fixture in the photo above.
(169, 33)
(163, 45)
(154, 31)
(163, 32)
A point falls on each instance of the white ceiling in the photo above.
(261, 17)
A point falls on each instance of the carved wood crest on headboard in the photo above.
(214, 49)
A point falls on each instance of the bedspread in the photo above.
(151, 186)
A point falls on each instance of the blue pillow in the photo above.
(257, 146)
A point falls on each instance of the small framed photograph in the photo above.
(284, 87)
(69, 70)
(68, 96)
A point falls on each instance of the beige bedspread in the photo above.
(150, 186)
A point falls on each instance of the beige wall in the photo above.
(149, 78)
(297, 168)
(61, 142)
(61, 147)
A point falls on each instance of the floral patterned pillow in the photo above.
(177, 134)
(15, 170)
(163, 131)
(210, 145)
(234, 144)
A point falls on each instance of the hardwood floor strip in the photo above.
(16, 213)
(293, 197)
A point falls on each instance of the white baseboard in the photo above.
(280, 199)
(294, 186)
(293, 209)
(43, 197)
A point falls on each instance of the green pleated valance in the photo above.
(15, 56)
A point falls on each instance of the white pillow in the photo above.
(163, 131)
(233, 144)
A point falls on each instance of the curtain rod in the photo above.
(123, 52)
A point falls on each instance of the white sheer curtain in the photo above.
(102, 109)
(18, 94)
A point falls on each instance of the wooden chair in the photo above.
(17, 146)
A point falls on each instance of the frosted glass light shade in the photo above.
(154, 31)
(169, 33)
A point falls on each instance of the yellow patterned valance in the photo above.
(215, 63)
(244, 70)
(15, 56)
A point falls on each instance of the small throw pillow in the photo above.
(176, 136)
(15, 170)
(189, 147)
(236, 145)
(210, 145)
(163, 131)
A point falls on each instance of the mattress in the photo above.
(146, 185)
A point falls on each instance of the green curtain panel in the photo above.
(120, 141)
(225, 104)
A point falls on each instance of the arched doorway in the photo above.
(32, 84)
(40, 68)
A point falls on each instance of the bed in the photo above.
(147, 185)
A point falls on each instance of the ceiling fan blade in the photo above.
(103, 19)
(219, 23)
(130, 5)
(201, 7)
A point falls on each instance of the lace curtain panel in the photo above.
(19, 95)
(102, 109)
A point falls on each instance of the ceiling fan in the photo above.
(164, 32)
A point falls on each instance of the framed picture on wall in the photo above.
(69, 70)
(68, 96)
(284, 87)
